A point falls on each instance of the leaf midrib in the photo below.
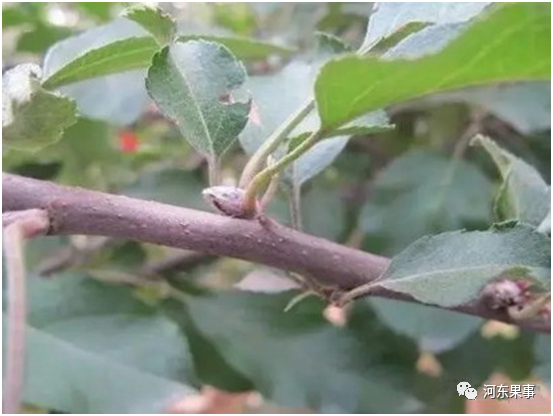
(185, 80)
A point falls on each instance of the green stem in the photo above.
(295, 206)
(269, 193)
(263, 177)
(274, 140)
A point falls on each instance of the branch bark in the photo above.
(79, 211)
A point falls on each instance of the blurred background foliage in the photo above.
(383, 191)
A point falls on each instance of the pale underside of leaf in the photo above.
(427, 287)
(389, 18)
(450, 269)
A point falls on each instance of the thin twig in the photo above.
(271, 189)
(18, 227)
(273, 141)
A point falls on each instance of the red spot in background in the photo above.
(128, 142)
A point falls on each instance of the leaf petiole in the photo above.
(274, 140)
(263, 177)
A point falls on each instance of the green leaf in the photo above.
(192, 83)
(31, 116)
(95, 349)
(450, 269)
(158, 23)
(519, 49)
(297, 359)
(424, 193)
(118, 56)
(435, 330)
(388, 19)
(524, 195)
(74, 380)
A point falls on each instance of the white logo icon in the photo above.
(471, 393)
(462, 386)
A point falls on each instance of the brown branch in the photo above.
(80, 211)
